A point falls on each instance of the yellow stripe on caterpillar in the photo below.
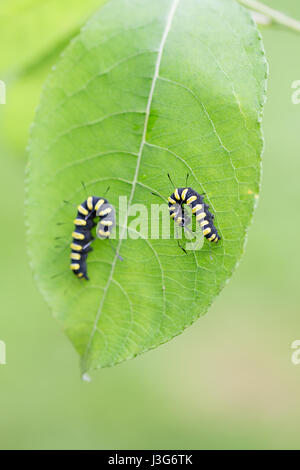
(203, 223)
(171, 200)
(106, 223)
(103, 234)
(78, 236)
(105, 212)
(99, 204)
(183, 194)
(191, 199)
(82, 210)
(176, 194)
(206, 231)
(80, 275)
(81, 222)
(173, 215)
(216, 240)
(200, 216)
(76, 256)
(76, 247)
(75, 267)
(90, 203)
(212, 237)
(198, 207)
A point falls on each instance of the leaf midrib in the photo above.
(166, 31)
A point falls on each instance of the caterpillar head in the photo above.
(107, 222)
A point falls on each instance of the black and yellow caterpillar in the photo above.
(91, 208)
(203, 216)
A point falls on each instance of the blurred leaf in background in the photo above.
(32, 35)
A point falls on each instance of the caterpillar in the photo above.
(91, 208)
(190, 197)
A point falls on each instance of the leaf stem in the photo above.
(275, 15)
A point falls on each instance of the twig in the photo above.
(261, 19)
(275, 15)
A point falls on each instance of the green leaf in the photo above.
(31, 29)
(23, 97)
(147, 88)
(43, 30)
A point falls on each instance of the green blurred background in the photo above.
(228, 381)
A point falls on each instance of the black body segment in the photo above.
(91, 208)
(199, 208)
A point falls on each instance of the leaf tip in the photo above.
(86, 377)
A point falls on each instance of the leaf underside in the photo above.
(146, 89)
